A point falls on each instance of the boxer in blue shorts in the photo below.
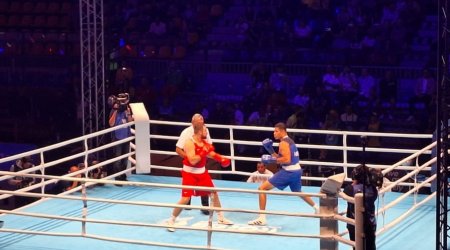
(290, 173)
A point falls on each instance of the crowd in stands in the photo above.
(40, 101)
(268, 97)
(160, 29)
(43, 80)
(308, 31)
(369, 32)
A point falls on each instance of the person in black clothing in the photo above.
(388, 87)
(362, 181)
(19, 182)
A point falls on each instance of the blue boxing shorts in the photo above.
(284, 178)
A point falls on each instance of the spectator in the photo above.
(68, 185)
(302, 98)
(98, 173)
(124, 77)
(374, 126)
(369, 42)
(166, 109)
(242, 26)
(19, 182)
(349, 119)
(157, 28)
(388, 87)
(297, 120)
(331, 84)
(238, 115)
(390, 14)
(173, 80)
(259, 75)
(368, 89)
(302, 32)
(261, 174)
(424, 90)
(331, 123)
(279, 80)
(349, 85)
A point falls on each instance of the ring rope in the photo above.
(406, 176)
(122, 223)
(86, 182)
(167, 205)
(145, 203)
(403, 196)
(409, 211)
(230, 210)
(160, 185)
(98, 237)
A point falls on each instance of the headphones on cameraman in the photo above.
(359, 173)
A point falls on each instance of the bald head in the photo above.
(197, 120)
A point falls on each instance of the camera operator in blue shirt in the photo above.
(120, 114)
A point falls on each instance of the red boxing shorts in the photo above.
(201, 180)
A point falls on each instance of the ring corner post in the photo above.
(142, 127)
(328, 226)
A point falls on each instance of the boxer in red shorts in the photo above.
(194, 173)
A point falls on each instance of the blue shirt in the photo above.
(121, 118)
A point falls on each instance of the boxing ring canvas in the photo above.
(413, 233)
(134, 216)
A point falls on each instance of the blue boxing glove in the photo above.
(267, 144)
(268, 159)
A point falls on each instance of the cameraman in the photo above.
(18, 182)
(362, 175)
(120, 114)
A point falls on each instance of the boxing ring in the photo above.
(134, 216)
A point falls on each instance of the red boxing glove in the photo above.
(224, 162)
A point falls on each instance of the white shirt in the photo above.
(188, 133)
(256, 177)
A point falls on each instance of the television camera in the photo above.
(122, 100)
